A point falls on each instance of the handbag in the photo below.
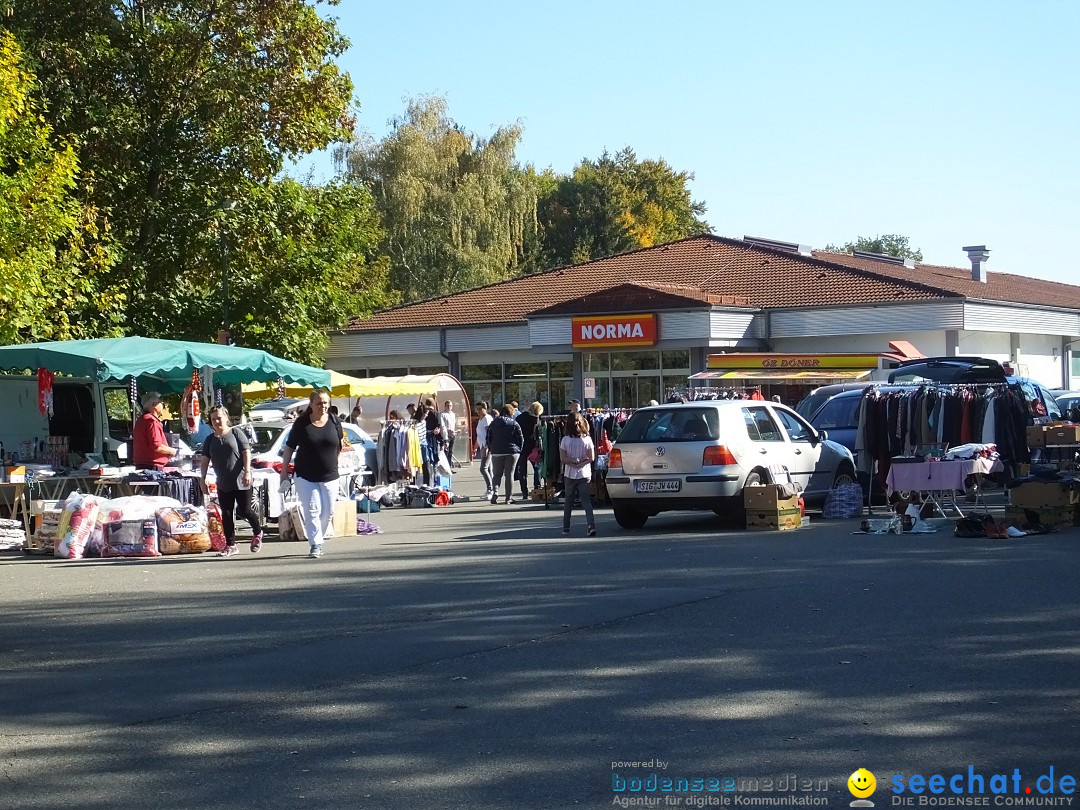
(535, 456)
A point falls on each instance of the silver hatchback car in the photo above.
(700, 455)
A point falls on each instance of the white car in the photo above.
(269, 444)
(700, 455)
(275, 410)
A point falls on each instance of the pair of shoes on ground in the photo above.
(315, 553)
(591, 531)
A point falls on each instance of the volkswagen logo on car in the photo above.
(659, 451)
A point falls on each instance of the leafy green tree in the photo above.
(284, 267)
(615, 204)
(177, 107)
(456, 207)
(42, 226)
(887, 244)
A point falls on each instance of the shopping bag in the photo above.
(291, 524)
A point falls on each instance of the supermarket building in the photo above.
(751, 312)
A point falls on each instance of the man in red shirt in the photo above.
(149, 447)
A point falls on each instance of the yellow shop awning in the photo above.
(782, 375)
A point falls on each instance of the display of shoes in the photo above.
(256, 543)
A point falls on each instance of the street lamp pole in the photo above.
(225, 334)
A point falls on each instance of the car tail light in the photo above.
(614, 458)
(717, 456)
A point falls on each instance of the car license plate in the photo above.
(667, 485)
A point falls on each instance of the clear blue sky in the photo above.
(953, 123)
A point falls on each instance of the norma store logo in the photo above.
(614, 330)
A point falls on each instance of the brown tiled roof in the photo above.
(642, 296)
(958, 280)
(718, 266)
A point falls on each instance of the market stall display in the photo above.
(71, 418)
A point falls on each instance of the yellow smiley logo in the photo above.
(861, 783)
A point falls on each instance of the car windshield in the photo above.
(809, 404)
(264, 437)
(672, 425)
(1068, 401)
(839, 412)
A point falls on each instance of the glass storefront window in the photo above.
(358, 372)
(491, 393)
(390, 372)
(516, 370)
(525, 393)
(562, 370)
(676, 360)
(603, 393)
(677, 382)
(559, 397)
(648, 388)
(635, 361)
(428, 370)
(595, 361)
(485, 372)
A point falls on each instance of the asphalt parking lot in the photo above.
(472, 657)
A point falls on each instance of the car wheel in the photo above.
(754, 478)
(629, 518)
(844, 477)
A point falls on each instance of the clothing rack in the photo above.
(896, 420)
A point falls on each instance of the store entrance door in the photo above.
(635, 391)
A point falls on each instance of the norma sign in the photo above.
(614, 330)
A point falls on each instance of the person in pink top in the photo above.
(577, 453)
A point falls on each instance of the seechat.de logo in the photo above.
(862, 785)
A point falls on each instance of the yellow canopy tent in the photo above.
(377, 396)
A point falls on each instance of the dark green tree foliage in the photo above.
(308, 267)
(176, 107)
(887, 244)
(615, 204)
(456, 207)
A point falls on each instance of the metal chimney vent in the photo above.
(978, 254)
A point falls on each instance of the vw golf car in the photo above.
(700, 455)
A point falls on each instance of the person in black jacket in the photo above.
(528, 420)
(504, 441)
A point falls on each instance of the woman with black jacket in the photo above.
(504, 441)
(528, 420)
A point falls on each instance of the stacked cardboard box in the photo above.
(1037, 494)
(768, 510)
(1061, 434)
(1035, 436)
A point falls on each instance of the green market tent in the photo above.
(163, 365)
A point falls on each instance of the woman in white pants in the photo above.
(316, 438)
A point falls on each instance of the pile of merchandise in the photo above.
(134, 526)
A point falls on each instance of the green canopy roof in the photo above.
(166, 364)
